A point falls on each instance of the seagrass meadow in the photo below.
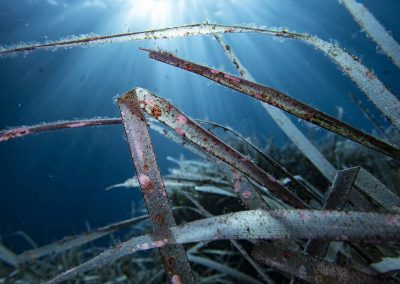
(171, 141)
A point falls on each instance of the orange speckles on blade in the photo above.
(188, 67)
(156, 111)
(158, 219)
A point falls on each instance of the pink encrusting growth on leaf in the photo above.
(231, 78)
(246, 194)
(181, 120)
(214, 71)
(180, 131)
(236, 186)
(145, 182)
(176, 279)
(393, 220)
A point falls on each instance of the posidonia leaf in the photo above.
(284, 123)
(173, 255)
(8, 256)
(310, 268)
(339, 192)
(172, 32)
(280, 100)
(235, 243)
(168, 114)
(387, 264)
(259, 224)
(336, 199)
(244, 278)
(74, 241)
(21, 131)
(374, 29)
(375, 189)
(296, 184)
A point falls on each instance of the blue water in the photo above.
(51, 183)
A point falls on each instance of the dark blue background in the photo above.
(50, 184)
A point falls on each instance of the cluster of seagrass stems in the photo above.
(274, 211)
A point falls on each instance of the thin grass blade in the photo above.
(259, 224)
(21, 131)
(8, 256)
(284, 123)
(152, 186)
(309, 268)
(371, 26)
(168, 114)
(375, 189)
(74, 241)
(281, 101)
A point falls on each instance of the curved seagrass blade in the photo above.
(74, 241)
(283, 121)
(336, 199)
(374, 29)
(8, 256)
(279, 100)
(235, 243)
(152, 186)
(259, 224)
(21, 131)
(309, 268)
(169, 115)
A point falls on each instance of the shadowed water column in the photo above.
(155, 195)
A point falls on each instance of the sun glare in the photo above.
(155, 12)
